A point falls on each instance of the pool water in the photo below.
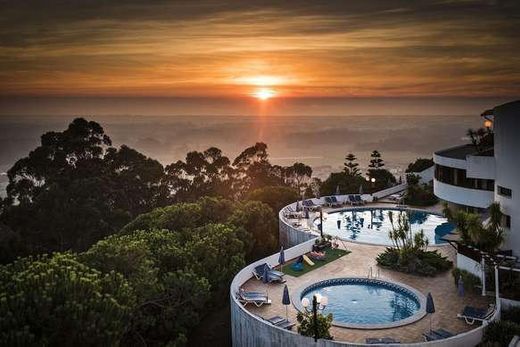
(365, 302)
(372, 225)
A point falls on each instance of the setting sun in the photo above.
(264, 93)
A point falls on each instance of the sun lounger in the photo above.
(438, 334)
(384, 340)
(332, 201)
(475, 314)
(310, 205)
(336, 201)
(352, 200)
(274, 275)
(358, 199)
(281, 322)
(256, 298)
(308, 260)
(289, 212)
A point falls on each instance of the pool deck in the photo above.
(357, 263)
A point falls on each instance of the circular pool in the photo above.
(371, 225)
(367, 303)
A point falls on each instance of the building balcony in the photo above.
(463, 196)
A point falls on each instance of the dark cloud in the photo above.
(197, 47)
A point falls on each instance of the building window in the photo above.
(457, 177)
(505, 191)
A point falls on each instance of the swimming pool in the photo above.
(371, 225)
(367, 303)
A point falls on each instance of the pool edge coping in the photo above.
(420, 314)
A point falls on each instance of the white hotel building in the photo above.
(470, 180)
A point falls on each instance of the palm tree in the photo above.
(487, 236)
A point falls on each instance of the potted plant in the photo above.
(322, 243)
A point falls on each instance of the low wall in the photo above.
(389, 191)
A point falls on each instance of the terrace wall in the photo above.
(248, 330)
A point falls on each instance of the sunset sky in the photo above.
(282, 49)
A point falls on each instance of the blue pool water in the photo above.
(372, 225)
(364, 301)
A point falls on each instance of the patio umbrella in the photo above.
(281, 258)
(460, 286)
(337, 190)
(286, 300)
(430, 307)
(360, 189)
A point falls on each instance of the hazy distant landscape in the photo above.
(320, 141)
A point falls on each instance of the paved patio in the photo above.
(357, 263)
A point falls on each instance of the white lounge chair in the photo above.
(475, 314)
(256, 298)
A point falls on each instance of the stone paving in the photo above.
(357, 263)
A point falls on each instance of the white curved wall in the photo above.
(449, 162)
(507, 158)
(463, 196)
(248, 330)
(480, 167)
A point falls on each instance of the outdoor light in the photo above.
(373, 180)
(488, 123)
(324, 301)
(318, 303)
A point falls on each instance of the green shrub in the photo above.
(306, 327)
(420, 195)
(500, 333)
(471, 282)
(424, 263)
(57, 301)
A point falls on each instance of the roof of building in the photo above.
(460, 152)
(513, 105)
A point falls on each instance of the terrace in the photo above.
(358, 263)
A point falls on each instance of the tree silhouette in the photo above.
(351, 166)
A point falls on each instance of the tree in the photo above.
(383, 178)
(375, 161)
(487, 237)
(171, 294)
(420, 164)
(276, 197)
(135, 181)
(253, 170)
(351, 166)
(205, 173)
(482, 139)
(298, 175)
(347, 183)
(258, 228)
(58, 301)
(76, 189)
